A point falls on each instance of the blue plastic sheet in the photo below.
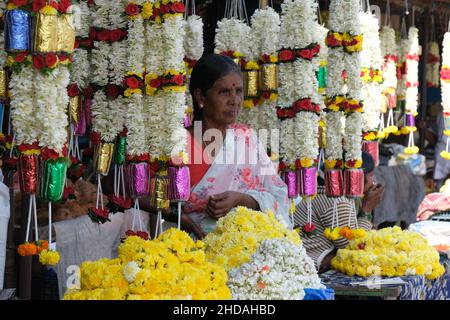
(319, 294)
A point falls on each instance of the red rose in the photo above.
(266, 95)
(164, 9)
(132, 9)
(178, 7)
(102, 35)
(120, 201)
(101, 213)
(112, 91)
(76, 44)
(305, 104)
(286, 55)
(290, 113)
(154, 167)
(74, 160)
(155, 83)
(73, 90)
(130, 233)
(88, 92)
(87, 43)
(332, 41)
(91, 3)
(305, 54)
(309, 227)
(68, 191)
(115, 35)
(316, 108)
(64, 5)
(38, 62)
(265, 58)
(124, 132)
(19, 3)
(132, 82)
(361, 246)
(92, 33)
(142, 234)
(48, 153)
(38, 4)
(178, 80)
(51, 59)
(53, 4)
(316, 49)
(165, 80)
(20, 57)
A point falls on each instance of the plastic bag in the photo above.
(319, 294)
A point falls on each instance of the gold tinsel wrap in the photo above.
(159, 192)
(103, 156)
(251, 84)
(322, 136)
(268, 77)
(3, 84)
(66, 34)
(46, 33)
(74, 107)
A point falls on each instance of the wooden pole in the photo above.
(10, 268)
(423, 76)
(25, 263)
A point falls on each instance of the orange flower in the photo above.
(261, 285)
(347, 233)
(27, 249)
(41, 245)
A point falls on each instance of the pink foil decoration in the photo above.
(371, 147)
(179, 183)
(290, 178)
(307, 181)
(334, 183)
(137, 179)
(187, 121)
(80, 127)
(354, 183)
(87, 111)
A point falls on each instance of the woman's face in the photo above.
(223, 101)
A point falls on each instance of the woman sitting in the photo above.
(228, 166)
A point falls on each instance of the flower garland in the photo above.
(389, 252)
(3, 53)
(230, 34)
(279, 270)
(239, 234)
(389, 86)
(433, 63)
(193, 41)
(371, 62)
(412, 84)
(266, 32)
(169, 267)
(445, 90)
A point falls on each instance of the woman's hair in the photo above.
(206, 72)
(368, 164)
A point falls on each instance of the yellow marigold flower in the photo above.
(10, 60)
(446, 155)
(273, 96)
(252, 65)
(49, 10)
(49, 257)
(447, 132)
(248, 103)
(330, 164)
(273, 59)
(370, 136)
(306, 163)
(411, 150)
(147, 10)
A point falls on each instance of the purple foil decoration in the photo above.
(80, 127)
(334, 183)
(410, 120)
(87, 111)
(187, 121)
(290, 178)
(307, 181)
(137, 179)
(179, 183)
(354, 183)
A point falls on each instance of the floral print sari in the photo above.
(241, 165)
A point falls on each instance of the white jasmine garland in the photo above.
(23, 108)
(100, 62)
(118, 62)
(305, 81)
(266, 28)
(3, 54)
(100, 14)
(175, 133)
(286, 93)
(334, 136)
(335, 84)
(193, 42)
(353, 71)
(173, 34)
(154, 48)
(401, 85)
(412, 74)
(81, 67)
(116, 17)
(445, 85)
(287, 138)
(389, 50)
(231, 35)
(81, 19)
(136, 45)
(155, 128)
(136, 144)
(307, 135)
(107, 116)
(279, 270)
(352, 138)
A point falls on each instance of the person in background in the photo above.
(317, 246)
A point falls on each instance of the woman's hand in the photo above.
(190, 226)
(372, 198)
(220, 204)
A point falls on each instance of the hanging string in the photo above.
(99, 192)
(413, 16)
(139, 215)
(116, 189)
(122, 178)
(133, 225)
(387, 18)
(12, 145)
(354, 213)
(447, 143)
(335, 218)
(30, 208)
(406, 7)
(404, 32)
(36, 228)
(179, 215)
(319, 13)
(309, 211)
(49, 224)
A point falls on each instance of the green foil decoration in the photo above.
(322, 77)
(121, 146)
(53, 179)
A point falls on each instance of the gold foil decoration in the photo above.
(251, 83)
(3, 84)
(46, 33)
(268, 77)
(104, 155)
(159, 195)
(74, 107)
(66, 33)
(322, 137)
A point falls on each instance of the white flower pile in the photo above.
(412, 71)
(232, 34)
(266, 30)
(445, 85)
(193, 42)
(279, 270)
(371, 59)
(433, 65)
(109, 66)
